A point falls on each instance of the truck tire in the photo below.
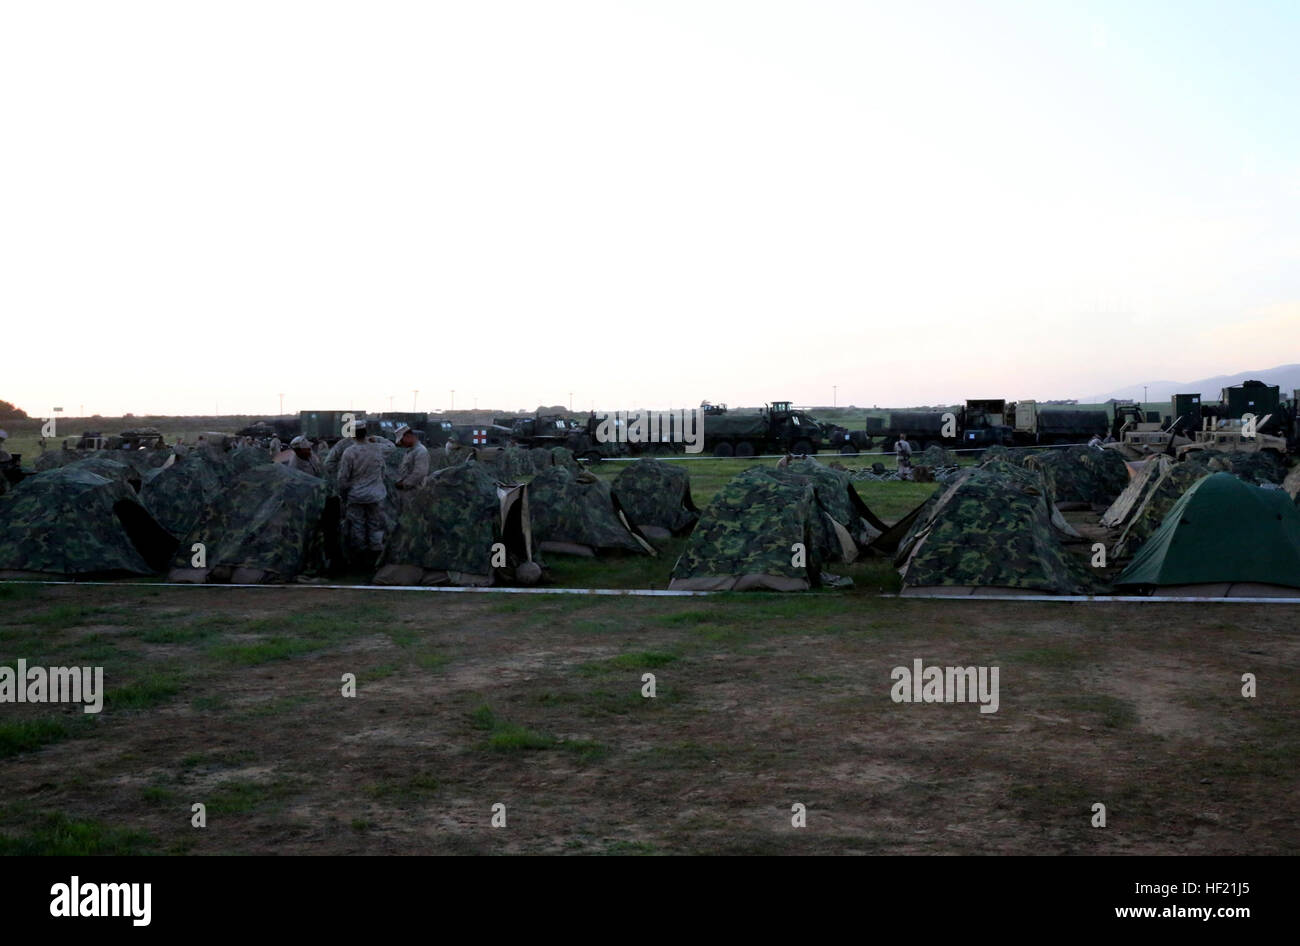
(849, 450)
(723, 449)
(801, 447)
(591, 456)
(744, 449)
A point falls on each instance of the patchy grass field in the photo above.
(231, 698)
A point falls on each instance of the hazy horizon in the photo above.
(640, 204)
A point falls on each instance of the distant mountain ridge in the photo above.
(1287, 377)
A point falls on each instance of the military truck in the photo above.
(325, 425)
(982, 422)
(136, 438)
(1049, 424)
(777, 428)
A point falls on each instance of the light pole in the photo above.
(570, 402)
(281, 403)
(453, 399)
(1144, 397)
(390, 401)
(835, 395)
(415, 397)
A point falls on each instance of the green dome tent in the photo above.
(447, 529)
(576, 514)
(178, 493)
(74, 523)
(656, 496)
(267, 526)
(993, 530)
(1223, 537)
(746, 536)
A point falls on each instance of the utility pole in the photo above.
(835, 395)
(570, 402)
(415, 397)
(453, 399)
(281, 403)
(1144, 397)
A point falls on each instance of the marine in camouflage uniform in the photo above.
(303, 459)
(361, 487)
(414, 468)
(904, 451)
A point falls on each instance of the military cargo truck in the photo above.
(325, 425)
(777, 428)
(1049, 424)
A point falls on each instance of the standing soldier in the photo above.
(303, 459)
(361, 487)
(904, 451)
(415, 465)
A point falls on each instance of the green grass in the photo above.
(55, 834)
(237, 798)
(643, 660)
(150, 690)
(68, 615)
(510, 737)
(29, 734)
(275, 648)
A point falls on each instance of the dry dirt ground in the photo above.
(231, 698)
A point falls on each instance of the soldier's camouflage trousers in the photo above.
(364, 527)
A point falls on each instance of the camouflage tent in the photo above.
(108, 467)
(74, 523)
(1256, 467)
(448, 530)
(847, 525)
(656, 496)
(1292, 484)
(242, 459)
(990, 531)
(140, 461)
(512, 464)
(576, 514)
(1171, 481)
(267, 526)
(1225, 538)
(1081, 477)
(756, 533)
(178, 493)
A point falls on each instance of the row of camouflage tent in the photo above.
(1227, 527)
(203, 514)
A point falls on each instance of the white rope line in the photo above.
(653, 593)
(453, 589)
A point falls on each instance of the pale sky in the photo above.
(646, 204)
